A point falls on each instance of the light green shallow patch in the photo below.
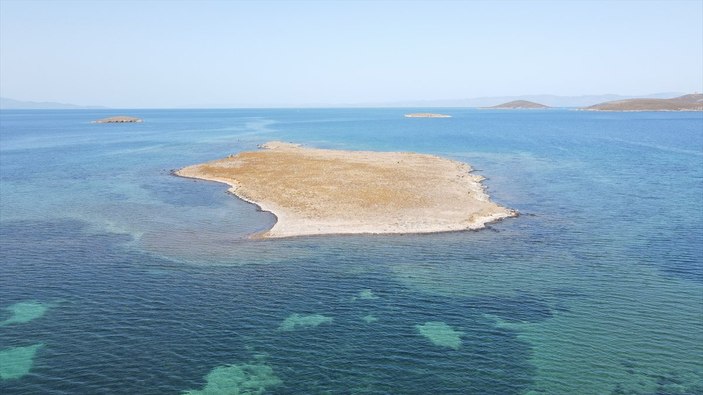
(296, 321)
(365, 294)
(244, 379)
(440, 334)
(17, 361)
(369, 318)
(24, 312)
(648, 339)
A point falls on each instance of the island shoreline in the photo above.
(261, 234)
(285, 222)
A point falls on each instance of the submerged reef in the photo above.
(296, 321)
(441, 334)
(365, 294)
(243, 379)
(24, 312)
(16, 362)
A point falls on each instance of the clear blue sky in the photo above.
(288, 53)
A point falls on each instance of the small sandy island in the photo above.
(119, 119)
(319, 191)
(426, 115)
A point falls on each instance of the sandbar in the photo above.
(426, 115)
(321, 191)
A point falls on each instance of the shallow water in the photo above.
(24, 312)
(596, 288)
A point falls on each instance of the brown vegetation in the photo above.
(315, 191)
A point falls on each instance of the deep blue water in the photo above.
(126, 279)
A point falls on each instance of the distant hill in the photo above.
(692, 102)
(519, 105)
(12, 104)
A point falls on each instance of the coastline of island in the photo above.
(315, 191)
(690, 102)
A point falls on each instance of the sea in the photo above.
(117, 277)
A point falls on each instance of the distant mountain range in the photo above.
(548, 100)
(12, 104)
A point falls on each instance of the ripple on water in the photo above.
(599, 292)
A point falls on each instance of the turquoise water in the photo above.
(116, 277)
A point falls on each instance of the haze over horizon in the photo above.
(227, 54)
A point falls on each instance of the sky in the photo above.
(162, 54)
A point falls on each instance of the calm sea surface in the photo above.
(117, 277)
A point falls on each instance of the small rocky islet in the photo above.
(119, 119)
